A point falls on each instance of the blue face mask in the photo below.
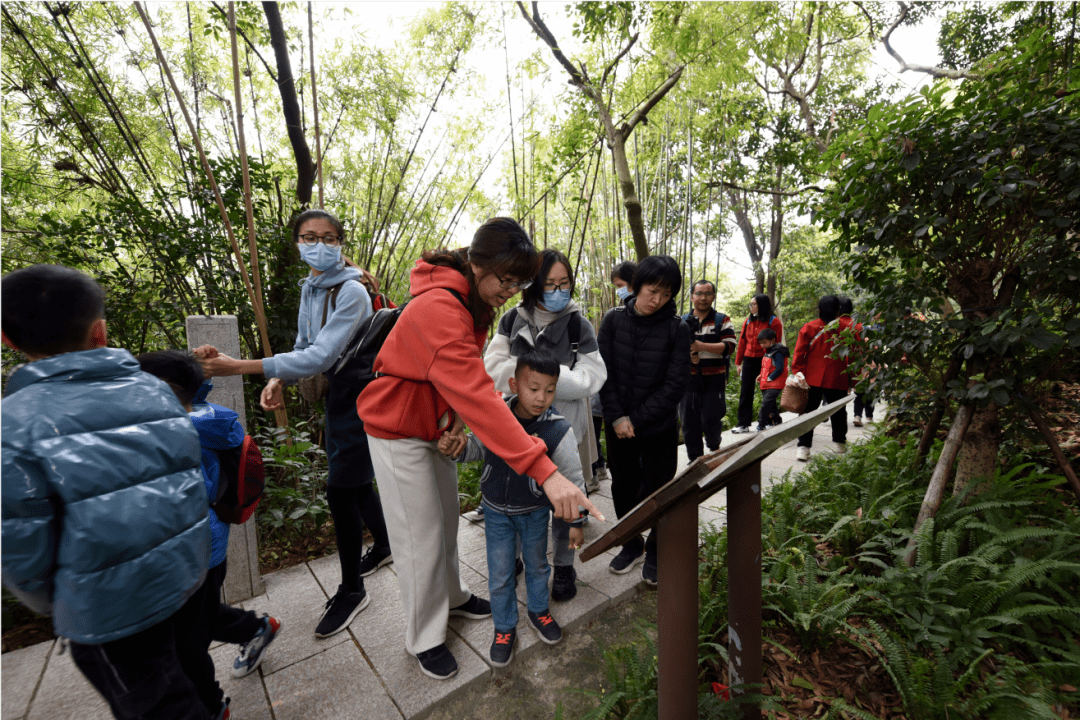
(623, 292)
(319, 256)
(556, 300)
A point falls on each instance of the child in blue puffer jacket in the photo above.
(104, 513)
(219, 429)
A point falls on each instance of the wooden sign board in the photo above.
(707, 475)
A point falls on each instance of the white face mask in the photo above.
(623, 292)
(319, 256)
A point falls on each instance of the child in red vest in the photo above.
(772, 378)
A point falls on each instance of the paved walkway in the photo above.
(365, 671)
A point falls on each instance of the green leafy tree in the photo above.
(964, 199)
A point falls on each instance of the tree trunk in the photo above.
(290, 106)
(940, 478)
(978, 455)
(630, 198)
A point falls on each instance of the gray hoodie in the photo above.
(318, 347)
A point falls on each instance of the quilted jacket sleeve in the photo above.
(30, 530)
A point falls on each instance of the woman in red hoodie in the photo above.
(749, 354)
(827, 375)
(432, 380)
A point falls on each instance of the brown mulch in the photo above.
(280, 553)
(27, 628)
(807, 683)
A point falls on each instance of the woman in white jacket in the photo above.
(548, 319)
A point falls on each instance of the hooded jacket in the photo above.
(774, 368)
(511, 493)
(521, 330)
(105, 522)
(431, 367)
(219, 429)
(748, 344)
(648, 362)
(317, 347)
(813, 356)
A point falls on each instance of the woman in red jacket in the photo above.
(431, 380)
(826, 375)
(748, 356)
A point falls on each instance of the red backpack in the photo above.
(241, 482)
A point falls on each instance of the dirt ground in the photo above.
(552, 676)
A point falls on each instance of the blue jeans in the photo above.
(502, 532)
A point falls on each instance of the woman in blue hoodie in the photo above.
(332, 305)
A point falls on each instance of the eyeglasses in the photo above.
(549, 287)
(703, 294)
(312, 239)
(511, 285)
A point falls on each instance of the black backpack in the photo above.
(356, 366)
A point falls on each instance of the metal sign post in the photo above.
(673, 510)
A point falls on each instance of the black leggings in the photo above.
(351, 507)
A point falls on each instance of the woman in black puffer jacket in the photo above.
(646, 347)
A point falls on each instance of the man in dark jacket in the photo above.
(105, 521)
(703, 406)
(646, 347)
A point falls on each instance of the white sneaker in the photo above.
(741, 430)
(475, 516)
(592, 484)
(857, 422)
(840, 448)
(602, 474)
(803, 454)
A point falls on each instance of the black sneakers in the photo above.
(545, 626)
(632, 553)
(475, 608)
(564, 587)
(438, 662)
(648, 570)
(374, 559)
(340, 611)
(502, 648)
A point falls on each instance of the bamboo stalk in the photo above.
(936, 490)
(315, 103)
(280, 416)
(256, 303)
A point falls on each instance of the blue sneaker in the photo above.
(252, 653)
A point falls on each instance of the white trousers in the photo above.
(419, 492)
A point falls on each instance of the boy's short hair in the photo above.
(846, 306)
(624, 271)
(180, 369)
(659, 270)
(540, 361)
(767, 334)
(48, 309)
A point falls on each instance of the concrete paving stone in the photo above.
(66, 693)
(380, 632)
(249, 701)
(470, 537)
(337, 683)
(476, 633)
(382, 587)
(617, 588)
(20, 672)
(475, 560)
(295, 598)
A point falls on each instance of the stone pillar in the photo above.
(242, 581)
